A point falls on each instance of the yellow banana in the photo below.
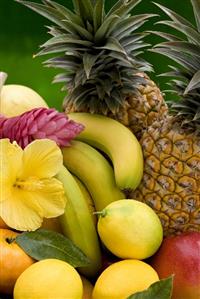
(94, 171)
(77, 223)
(88, 199)
(118, 142)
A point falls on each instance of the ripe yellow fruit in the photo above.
(16, 99)
(123, 279)
(49, 278)
(130, 229)
(13, 260)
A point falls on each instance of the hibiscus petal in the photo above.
(42, 159)
(10, 162)
(5, 189)
(21, 212)
(51, 197)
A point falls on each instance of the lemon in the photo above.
(123, 279)
(49, 279)
(130, 229)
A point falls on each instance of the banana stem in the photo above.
(3, 77)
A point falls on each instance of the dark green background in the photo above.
(22, 31)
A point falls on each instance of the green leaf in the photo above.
(62, 59)
(75, 28)
(98, 14)
(89, 27)
(135, 46)
(86, 10)
(182, 46)
(131, 23)
(63, 65)
(174, 16)
(67, 13)
(47, 12)
(176, 72)
(130, 30)
(56, 49)
(115, 7)
(65, 39)
(54, 30)
(191, 34)
(76, 6)
(112, 44)
(43, 244)
(191, 64)
(196, 9)
(63, 77)
(194, 83)
(167, 36)
(122, 8)
(103, 29)
(67, 80)
(120, 57)
(66, 47)
(136, 37)
(88, 62)
(161, 289)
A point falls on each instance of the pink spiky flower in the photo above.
(39, 123)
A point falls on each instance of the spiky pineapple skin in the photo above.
(171, 181)
(139, 111)
(142, 110)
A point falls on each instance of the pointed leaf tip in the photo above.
(161, 289)
(194, 83)
(196, 9)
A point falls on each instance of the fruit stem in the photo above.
(101, 213)
(10, 240)
(3, 77)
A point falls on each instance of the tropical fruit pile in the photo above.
(102, 200)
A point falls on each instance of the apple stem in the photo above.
(3, 77)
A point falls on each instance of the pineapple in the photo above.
(99, 54)
(171, 182)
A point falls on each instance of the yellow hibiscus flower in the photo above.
(28, 190)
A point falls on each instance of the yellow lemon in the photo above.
(130, 229)
(123, 279)
(49, 279)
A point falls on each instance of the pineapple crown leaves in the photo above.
(97, 50)
(184, 50)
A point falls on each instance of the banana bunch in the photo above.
(117, 142)
(104, 160)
